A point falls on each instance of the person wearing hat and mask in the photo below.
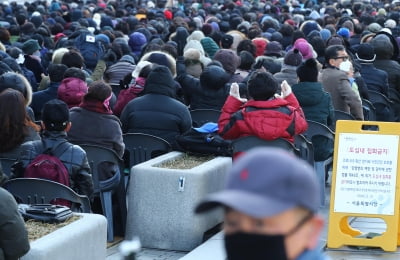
(266, 115)
(33, 60)
(337, 84)
(55, 124)
(270, 202)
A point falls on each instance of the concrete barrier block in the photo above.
(161, 202)
(83, 239)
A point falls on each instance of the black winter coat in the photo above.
(392, 69)
(157, 112)
(376, 79)
(212, 96)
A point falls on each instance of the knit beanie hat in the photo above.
(305, 48)
(103, 38)
(192, 54)
(276, 36)
(293, 58)
(382, 12)
(382, 46)
(71, 91)
(325, 34)
(229, 60)
(274, 48)
(366, 53)
(309, 26)
(136, 41)
(146, 33)
(30, 46)
(209, 46)
(344, 32)
(390, 24)
(195, 35)
(374, 27)
(128, 58)
(308, 71)
(36, 20)
(261, 45)
(214, 77)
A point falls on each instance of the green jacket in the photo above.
(317, 106)
(14, 241)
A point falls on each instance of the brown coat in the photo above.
(343, 96)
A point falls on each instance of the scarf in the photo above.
(96, 106)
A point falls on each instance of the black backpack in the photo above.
(199, 143)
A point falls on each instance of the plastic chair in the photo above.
(384, 106)
(321, 167)
(41, 191)
(305, 147)
(98, 155)
(341, 115)
(394, 96)
(243, 144)
(202, 116)
(369, 110)
(6, 164)
(142, 147)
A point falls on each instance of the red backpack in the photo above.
(47, 165)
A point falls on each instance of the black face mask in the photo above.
(250, 246)
(253, 246)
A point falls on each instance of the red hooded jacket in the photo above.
(269, 120)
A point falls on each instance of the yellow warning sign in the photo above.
(364, 182)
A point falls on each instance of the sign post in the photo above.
(365, 183)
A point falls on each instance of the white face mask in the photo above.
(345, 66)
(20, 59)
(36, 53)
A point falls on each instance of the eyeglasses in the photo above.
(344, 58)
(309, 216)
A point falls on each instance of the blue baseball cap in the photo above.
(209, 127)
(265, 182)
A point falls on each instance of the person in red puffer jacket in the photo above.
(266, 115)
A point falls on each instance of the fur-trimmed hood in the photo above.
(18, 82)
(161, 58)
